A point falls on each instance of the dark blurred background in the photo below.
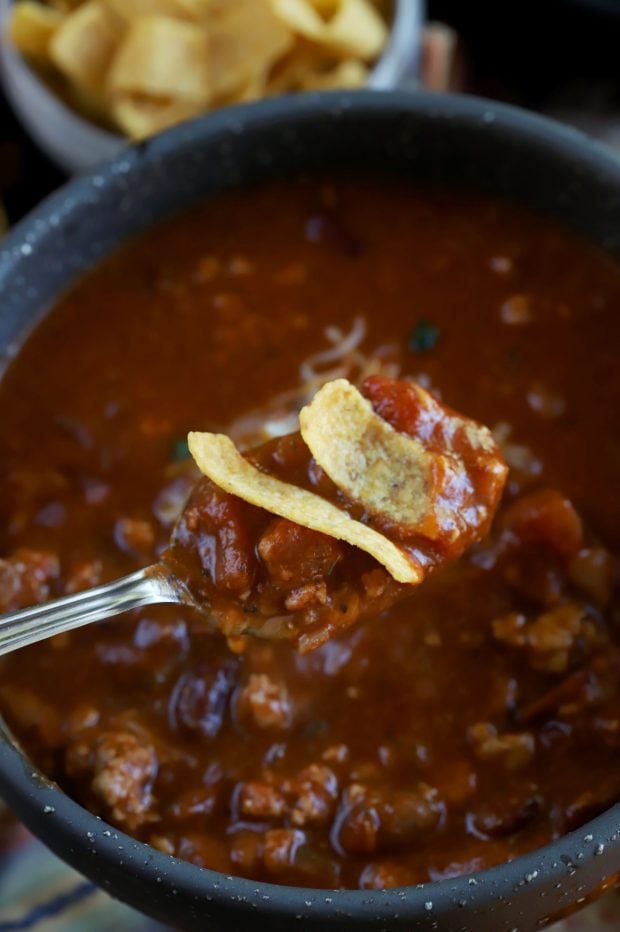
(531, 51)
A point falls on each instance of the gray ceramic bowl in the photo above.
(448, 140)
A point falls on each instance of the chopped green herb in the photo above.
(424, 337)
(180, 451)
(316, 727)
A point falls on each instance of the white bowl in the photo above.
(76, 145)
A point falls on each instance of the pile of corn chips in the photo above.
(139, 66)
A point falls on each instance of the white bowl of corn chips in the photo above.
(86, 76)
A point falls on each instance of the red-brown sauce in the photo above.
(475, 720)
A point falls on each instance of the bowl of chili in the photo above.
(445, 144)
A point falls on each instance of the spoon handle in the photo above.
(146, 587)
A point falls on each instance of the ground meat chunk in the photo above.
(375, 582)
(304, 597)
(306, 799)
(261, 800)
(135, 536)
(335, 754)
(295, 555)
(552, 636)
(511, 629)
(26, 578)
(124, 772)
(314, 791)
(513, 751)
(83, 575)
(264, 703)
(548, 639)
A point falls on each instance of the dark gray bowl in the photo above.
(451, 140)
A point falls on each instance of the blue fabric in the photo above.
(39, 892)
(49, 909)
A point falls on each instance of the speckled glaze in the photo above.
(451, 140)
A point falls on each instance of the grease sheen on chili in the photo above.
(473, 721)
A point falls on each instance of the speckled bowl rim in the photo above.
(592, 852)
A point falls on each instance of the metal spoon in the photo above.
(151, 586)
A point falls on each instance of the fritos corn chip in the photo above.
(388, 472)
(83, 46)
(139, 67)
(32, 27)
(217, 457)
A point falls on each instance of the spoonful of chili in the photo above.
(298, 538)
